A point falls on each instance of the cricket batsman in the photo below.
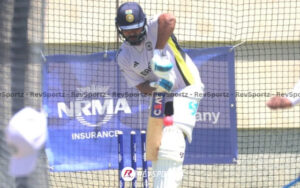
(151, 60)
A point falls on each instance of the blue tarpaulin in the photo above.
(88, 100)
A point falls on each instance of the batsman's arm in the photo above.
(292, 98)
(279, 102)
(166, 26)
(145, 88)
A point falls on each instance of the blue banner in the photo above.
(88, 100)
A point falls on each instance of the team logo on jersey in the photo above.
(148, 46)
(146, 71)
(135, 64)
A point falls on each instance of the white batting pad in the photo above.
(185, 109)
(167, 173)
(172, 145)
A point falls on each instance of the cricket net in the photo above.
(265, 36)
(21, 41)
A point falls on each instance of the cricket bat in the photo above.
(155, 125)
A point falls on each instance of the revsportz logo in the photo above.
(128, 174)
(93, 111)
(157, 105)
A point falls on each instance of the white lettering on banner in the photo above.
(83, 108)
(97, 107)
(122, 105)
(211, 117)
(93, 107)
(94, 135)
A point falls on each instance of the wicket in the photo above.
(133, 157)
(145, 165)
(133, 154)
(120, 157)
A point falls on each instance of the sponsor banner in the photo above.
(87, 100)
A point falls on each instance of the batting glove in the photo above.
(162, 85)
(161, 64)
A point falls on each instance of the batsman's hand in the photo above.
(162, 85)
(279, 102)
(162, 67)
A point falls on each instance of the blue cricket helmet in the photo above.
(130, 16)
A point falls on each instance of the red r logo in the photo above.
(127, 173)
